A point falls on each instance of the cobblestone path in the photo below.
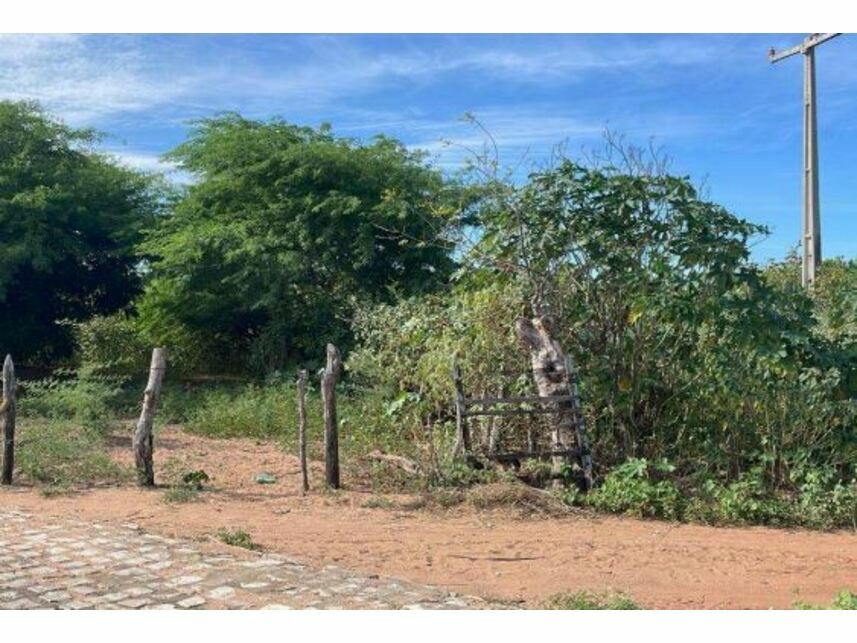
(69, 564)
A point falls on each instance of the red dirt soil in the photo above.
(495, 554)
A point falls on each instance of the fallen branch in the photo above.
(401, 462)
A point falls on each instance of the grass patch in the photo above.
(585, 600)
(80, 396)
(181, 494)
(61, 454)
(511, 495)
(844, 600)
(237, 538)
(250, 411)
(379, 502)
(515, 496)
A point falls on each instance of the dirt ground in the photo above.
(496, 554)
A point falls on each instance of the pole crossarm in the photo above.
(811, 41)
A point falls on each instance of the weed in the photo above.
(378, 502)
(844, 600)
(237, 538)
(181, 494)
(195, 479)
(55, 490)
(584, 600)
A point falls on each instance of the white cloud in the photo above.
(148, 162)
(90, 78)
(81, 79)
(141, 160)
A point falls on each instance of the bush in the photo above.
(633, 489)
(112, 344)
(818, 498)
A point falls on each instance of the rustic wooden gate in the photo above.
(527, 405)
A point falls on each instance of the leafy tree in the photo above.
(69, 221)
(285, 227)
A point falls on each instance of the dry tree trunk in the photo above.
(142, 441)
(329, 378)
(552, 379)
(7, 411)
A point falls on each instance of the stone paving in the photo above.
(70, 564)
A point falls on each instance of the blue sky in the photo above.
(713, 102)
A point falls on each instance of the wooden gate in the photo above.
(527, 405)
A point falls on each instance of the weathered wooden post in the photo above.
(143, 441)
(8, 409)
(302, 378)
(462, 435)
(494, 435)
(579, 424)
(329, 378)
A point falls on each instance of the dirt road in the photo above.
(493, 554)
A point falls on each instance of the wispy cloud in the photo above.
(81, 79)
(87, 78)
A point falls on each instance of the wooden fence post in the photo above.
(9, 407)
(143, 441)
(329, 378)
(494, 436)
(462, 435)
(579, 425)
(302, 377)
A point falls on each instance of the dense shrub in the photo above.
(686, 349)
(633, 488)
(816, 499)
(112, 344)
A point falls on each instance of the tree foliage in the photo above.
(69, 221)
(687, 350)
(284, 228)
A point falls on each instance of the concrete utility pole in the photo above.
(811, 213)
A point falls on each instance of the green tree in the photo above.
(283, 230)
(69, 221)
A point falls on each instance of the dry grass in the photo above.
(517, 499)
